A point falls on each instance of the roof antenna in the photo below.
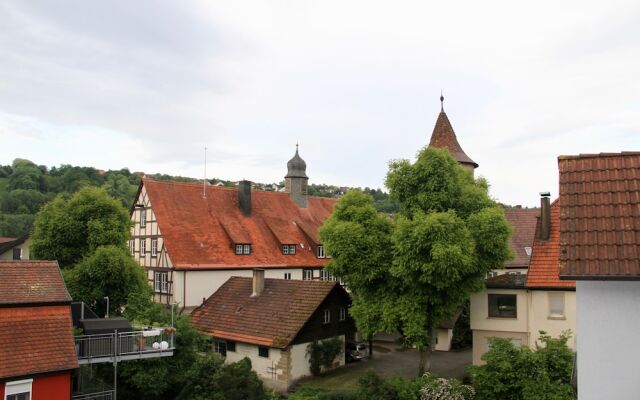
(204, 181)
(441, 101)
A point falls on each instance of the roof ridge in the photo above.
(598, 155)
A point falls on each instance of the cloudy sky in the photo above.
(148, 84)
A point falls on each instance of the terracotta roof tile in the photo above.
(199, 233)
(544, 268)
(271, 319)
(523, 221)
(443, 137)
(36, 340)
(31, 282)
(600, 216)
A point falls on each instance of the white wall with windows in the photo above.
(552, 311)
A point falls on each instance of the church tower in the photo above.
(443, 137)
(295, 182)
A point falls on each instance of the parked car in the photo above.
(355, 351)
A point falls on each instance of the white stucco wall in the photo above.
(608, 326)
(261, 365)
(540, 320)
(444, 339)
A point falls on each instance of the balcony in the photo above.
(106, 395)
(116, 347)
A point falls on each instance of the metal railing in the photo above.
(122, 345)
(106, 395)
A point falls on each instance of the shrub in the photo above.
(445, 389)
(322, 354)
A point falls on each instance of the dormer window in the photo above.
(243, 249)
(320, 251)
(289, 249)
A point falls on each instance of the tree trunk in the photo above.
(425, 362)
(370, 348)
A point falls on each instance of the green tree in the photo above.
(25, 175)
(119, 187)
(414, 272)
(108, 271)
(67, 230)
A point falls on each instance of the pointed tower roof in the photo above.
(296, 167)
(443, 137)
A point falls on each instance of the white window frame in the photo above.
(285, 249)
(154, 247)
(343, 314)
(320, 252)
(287, 275)
(324, 275)
(143, 218)
(561, 297)
(246, 249)
(18, 387)
(156, 281)
(132, 246)
(327, 316)
(238, 249)
(143, 247)
(307, 274)
(164, 282)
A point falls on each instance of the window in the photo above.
(320, 251)
(263, 352)
(143, 246)
(503, 306)
(154, 247)
(132, 246)
(17, 253)
(324, 275)
(327, 316)
(18, 390)
(143, 218)
(289, 249)
(287, 275)
(307, 274)
(243, 249)
(343, 314)
(231, 346)
(556, 305)
(220, 347)
(161, 282)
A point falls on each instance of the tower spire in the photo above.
(441, 101)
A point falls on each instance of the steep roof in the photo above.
(443, 137)
(29, 282)
(523, 221)
(271, 319)
(7, 243)
(36, 340)
(600, 216)
(199, 233)
(544, 268)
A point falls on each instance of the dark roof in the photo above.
(97, 326)
(443, 137)
(507, 281)
(271, 319)
(79, 310)
(199, 233)
(600, 216)
(28, 282)
(36, 340)
(523, 221)
(7, 243)
(544, 269)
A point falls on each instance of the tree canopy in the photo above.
(414, 271)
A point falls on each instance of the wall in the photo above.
(481, 340)
(53, 387)
(8, 255)
(204, 283)
(539, 319)
(444, 337)
(607, 352)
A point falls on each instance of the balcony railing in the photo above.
(114, 347)
(106, 395)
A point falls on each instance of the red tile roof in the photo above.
(600, 216)
(199, 233)
(523, 221)
(36, 340)
(544, 268)
(271, 319)
(443, 137)
(23, 282)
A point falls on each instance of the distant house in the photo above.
(523, 221)
(600, 249)
(15, 248)
(273, 321)
(517, 306)
(192, 238)
(37, 355)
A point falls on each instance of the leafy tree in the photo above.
(512, 372)
(108, 271)
(119, 187)
(67, 230)
(25, 175)
(414, 272)
(23, 201)
(15, 225)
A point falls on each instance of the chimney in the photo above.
(545, 216)
(244, 197)
(258, 282)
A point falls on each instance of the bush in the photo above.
(322, 354)
(445, 389)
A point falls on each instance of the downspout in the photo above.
(184, 290)
(529, 316)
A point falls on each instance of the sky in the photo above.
(148, 84)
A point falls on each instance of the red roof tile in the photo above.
(271, 319)
(544, 268)
(443, 137)
(36, 340)
(31, 282)
(199, 233)
(523, 221)
(600, 216)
